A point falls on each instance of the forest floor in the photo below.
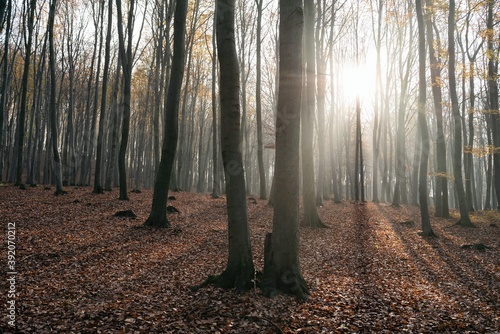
(82, 270)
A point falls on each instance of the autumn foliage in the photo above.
(83, 270)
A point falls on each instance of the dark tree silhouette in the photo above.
(158, 214)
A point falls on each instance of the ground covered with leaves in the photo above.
(82, 270)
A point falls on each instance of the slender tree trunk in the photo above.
(493, 100)
(457, 131)
(5, 84)
(98, 161)
(239, 271)
(422, 125)
(215, 151)
(53, 107)
(158, 214)
(113, 140)
(441, 179)
(260, 144)
(281, 258)
(24, 93)
(126, 57)
(311, 217)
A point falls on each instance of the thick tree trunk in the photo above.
(282, 268)
(239, 271)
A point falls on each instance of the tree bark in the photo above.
(5, 72)
(311, 217)
(441, 179)
(457, 131)
(422, 125)
(98, 161)
(493, 100)
(52, 106)
(24, 92)
(258, 109)
(158, 214)
(126, 58)
(239, 271)
(282, 268)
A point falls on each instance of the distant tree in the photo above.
(158, 214)
(258, 106)
(311, 217)
(91, 118)
(441, 180)
(400, 187)
(457, 129)
(281, 259)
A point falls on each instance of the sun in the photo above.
(357, 81)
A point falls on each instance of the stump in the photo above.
(125, 214)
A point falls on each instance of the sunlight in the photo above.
(356, 81)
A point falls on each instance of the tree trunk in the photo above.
(158, 214)
(5, 84)
(215, 151)
(24, 92)
(53, 107)
(457, 131)
(126, 57)
(258, 110)
(311, 217)
(113, 140)
(239, 271)
(98, 161)
(282, 267)
(422, 125)
(493, 101)
(441, 179)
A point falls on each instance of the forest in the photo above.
(231, 166)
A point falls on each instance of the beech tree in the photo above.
(311, 217)
(281, 255)
(239, 271)
(457, 128)
(441, 180)
(422, 125)
(493, 98)
(100, 134)
(53, 105)
(30, 9)
(158, 214)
